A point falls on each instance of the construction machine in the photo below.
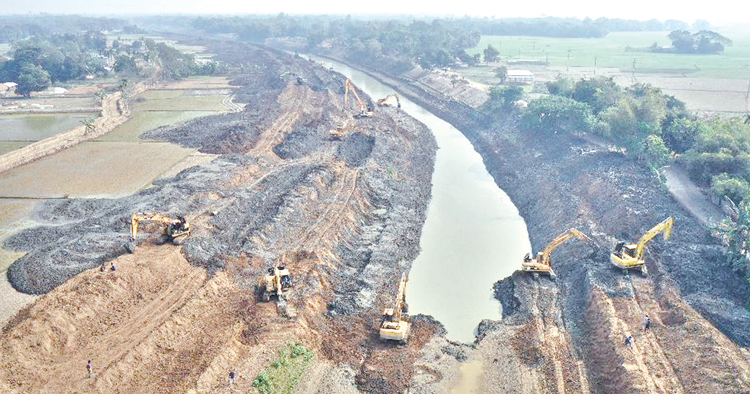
(285, 74)
(541, 264)
(175, 229)
(364, 111)
(392, 328)
(630, 256)
(384, 101)
(276, 283)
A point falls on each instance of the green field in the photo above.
(149, 120)
(610, 52)
(177, 100)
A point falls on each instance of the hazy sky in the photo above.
(717, 12)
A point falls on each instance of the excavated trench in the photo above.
(473, 233)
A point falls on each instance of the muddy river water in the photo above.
(473, 235)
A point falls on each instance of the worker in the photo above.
(89, 366)
(113, 268)
(629, 341)
(231, 378)
(102, 268)
(647, 325)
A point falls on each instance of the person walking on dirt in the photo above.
(89, 367)
(629, 341)
(647, 325)
(113, 268)
(231, 378)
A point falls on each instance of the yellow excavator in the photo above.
(384, 101)
(176, 229)
(630, 256)
(364, 112)
(541, 264)
(276, 283)
(392, 328)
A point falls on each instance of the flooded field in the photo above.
(8, 146)
(92, 169)
(37, 127)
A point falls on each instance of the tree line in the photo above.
(37, 62)
(19, 27)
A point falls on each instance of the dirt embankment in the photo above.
(568, 335)
(344, 215)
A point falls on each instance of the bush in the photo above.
(656, 152)
(735, 188)
(561, 86)
(557, 114)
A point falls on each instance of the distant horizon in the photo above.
(641, 10)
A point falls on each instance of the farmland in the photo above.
(716, 83)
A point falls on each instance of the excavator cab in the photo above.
(392, 326)
(276, 283)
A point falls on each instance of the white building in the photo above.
(520, 77)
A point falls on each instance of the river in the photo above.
(473, 235)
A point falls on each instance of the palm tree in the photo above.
(90, 126)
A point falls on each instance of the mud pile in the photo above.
(345, 215)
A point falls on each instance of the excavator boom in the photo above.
(174, 227)
(363, 111)
(665, 227)
(628, 256)
(384, 101)
(541, 264)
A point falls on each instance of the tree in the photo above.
(32, 78)
(682, 41)
(561, 86)
(557, 114)
(89, 124)
(491, 54)
(600, 93)
(501, 73)
(503, 98)
(704, 41)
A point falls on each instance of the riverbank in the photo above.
(567, 335)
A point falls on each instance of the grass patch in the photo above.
(282, 376)
(142, 122)
(176, 100)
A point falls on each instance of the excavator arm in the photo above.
(363, 111)
(559, 240)
(384, 101)
(542, 264)
(173, 227)
(665, 227)
(143, 217)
